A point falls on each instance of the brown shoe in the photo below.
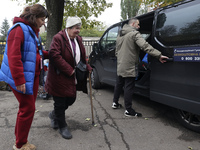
(26, 146)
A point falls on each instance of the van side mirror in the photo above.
(95, 47)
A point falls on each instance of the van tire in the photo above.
(188, 120)
(95, 79)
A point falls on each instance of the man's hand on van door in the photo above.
(163, 59)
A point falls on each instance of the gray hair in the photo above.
(132, 20)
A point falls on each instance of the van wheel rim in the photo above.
(190, 118)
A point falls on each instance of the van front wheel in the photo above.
(95, 79)
(188, 120)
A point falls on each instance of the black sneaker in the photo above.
(115, 105)
(132, 114)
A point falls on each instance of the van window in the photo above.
(179, 26)
(108, 41)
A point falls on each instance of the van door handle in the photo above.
(170, 59)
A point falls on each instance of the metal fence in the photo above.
(87, 43)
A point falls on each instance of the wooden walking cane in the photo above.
(90, 85)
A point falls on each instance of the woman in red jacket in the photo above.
(33, 16)
(66, 50)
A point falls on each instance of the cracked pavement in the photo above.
(156, 130)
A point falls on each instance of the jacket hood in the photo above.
(126, 29)
(18, 19)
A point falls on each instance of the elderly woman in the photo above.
(66, 50)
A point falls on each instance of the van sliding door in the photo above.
(177, 35)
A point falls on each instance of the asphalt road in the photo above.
(156, 130)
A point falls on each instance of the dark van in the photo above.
(175, 31)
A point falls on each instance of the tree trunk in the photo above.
(55, 9)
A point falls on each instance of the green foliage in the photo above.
(129, 8)
(4, 29)
(160, 3)
(32, 1)
(97, 31)
(167, 2)
(90, 33)
(43, 37)
(85, 9)
(154, 4)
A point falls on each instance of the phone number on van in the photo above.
(191, 54)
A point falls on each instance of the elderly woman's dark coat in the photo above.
(61, 65)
